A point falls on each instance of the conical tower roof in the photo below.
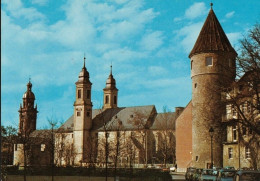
(212, 37)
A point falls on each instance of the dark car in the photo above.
(196, 175)
(189, 173)
(247, 175)
(208, 175)
(226, 175)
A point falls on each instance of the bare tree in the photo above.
(140, 121)
(8, 139)
(166, 138)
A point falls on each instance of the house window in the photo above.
(88, 114)
(78, 113)
(230, 153)
(88, 94)
(244, 130)
(250, 131)
(79, 94)
(42, 147)
(191, 64)
(197, 158)
(244, 107)
(248, 107)
(234, 111)
(115, 101)
(234, 133)
(107, 135)
(71, 135)
(209, 61)
(107, 99)
(247, 153)
(195, 85)
(15, 147)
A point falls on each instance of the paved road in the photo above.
(178, 177)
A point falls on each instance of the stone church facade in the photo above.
(128, 136)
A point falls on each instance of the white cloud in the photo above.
(234, 37)
(230, 14)
(188, 35)
(156, 70)
(16, 9)
(152, 41)
(122, 54)
(195, 10)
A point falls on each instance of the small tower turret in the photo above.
(27, 112)
(110, 92)
(212, 69)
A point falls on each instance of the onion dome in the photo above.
(212, 37)
(111, 82)
(29, 94)
(84, 74)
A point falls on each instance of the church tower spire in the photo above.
(27, 112)
(82, 114)
(213, 68)
(110, 92)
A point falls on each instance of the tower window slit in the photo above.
(88, 94)
(115, 100)
(79, 94)
(107, 99)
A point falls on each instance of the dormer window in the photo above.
(209, 61)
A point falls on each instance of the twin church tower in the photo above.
(83, 110)
(213, 68)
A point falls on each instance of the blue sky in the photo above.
(148, 43)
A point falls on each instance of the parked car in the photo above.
(165, 169)
(230, 167)
(196, 175)
(247, 175)
(207, 174)
(215, 170)
(189, 173)
(226, 175)
(172, 170)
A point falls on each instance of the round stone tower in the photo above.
(212, 70)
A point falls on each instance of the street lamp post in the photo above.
(211, 132)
